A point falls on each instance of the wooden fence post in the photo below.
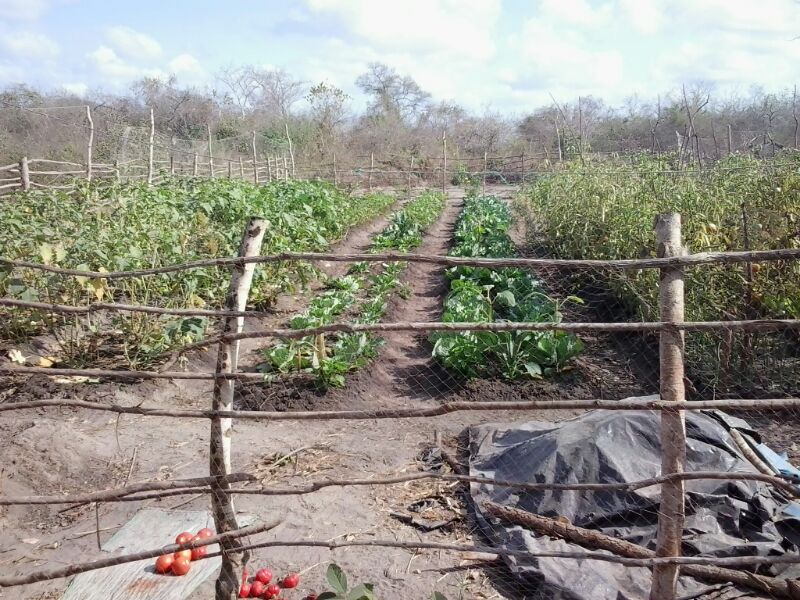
(371, 168)
(195, 165)
(116, 170)
(522, 168)
(210, 152)
(410, 173)
(221, 428)
(230, 169)
(24, 174)
(269, 168)
(150, 154)
(241, 167)
(730, 139)
(444, 162)
(485, 168)
(671, 513)
(255, 159)
(291, 152)
(171, 164)
(286, 169)
(89, 144)
(335, 178)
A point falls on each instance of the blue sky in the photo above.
(507, 55)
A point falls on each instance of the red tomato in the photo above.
(164, 563)
(264, 576)
(205, 533)
(181, 566)
(291, 581)
(244, 591)
(199, 552)
(256, 589)
(272, 591)
(184, 537)
(185, 554)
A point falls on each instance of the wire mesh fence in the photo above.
(415, 416)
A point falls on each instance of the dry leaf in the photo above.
(46, 362)
(16, 356)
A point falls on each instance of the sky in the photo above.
(503, 55)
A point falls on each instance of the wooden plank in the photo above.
(148, 528)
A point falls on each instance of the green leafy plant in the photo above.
(338, 581)
(482, 295)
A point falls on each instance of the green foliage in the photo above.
(481, 295)
(366, 294)
(603, 211)
(338, 581)
(133, 226)
(405, 228)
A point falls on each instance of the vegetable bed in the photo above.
(602, 211)
(364, 294)
(133, 226)
(479, 294)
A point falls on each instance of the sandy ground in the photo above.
(59, 450)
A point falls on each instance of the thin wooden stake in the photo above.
(671, 514)
(485, 167)
(89, 144)
(291, 152)
(335, 177)
(172, 164)
(196, 165)
(522, 180)
(286, 169)
(24, 174)
(116, 171)
(222, 428)
(410, 173)
(255, 160)
(371, 168)
(730, 139)
(151, 148)
(241, 167)
(444, 162)
(230, 169)
(210, 152)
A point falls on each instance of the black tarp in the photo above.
(724, 518)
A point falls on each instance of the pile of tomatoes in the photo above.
(261, 587)
(180, 562)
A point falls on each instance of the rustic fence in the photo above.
(220, 485)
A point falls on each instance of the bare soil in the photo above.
(63, 450)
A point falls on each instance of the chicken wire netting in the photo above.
(403, 535)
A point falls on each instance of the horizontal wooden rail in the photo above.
(45, 161)
(110, 561)
(130, 493)
(628, 404)
(691, 260)
(128, 375)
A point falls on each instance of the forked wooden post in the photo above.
(89, 144)
(671, 513)
(255, 160)
(210, 152)
(150, 152)
(24, 174)
(221, 428)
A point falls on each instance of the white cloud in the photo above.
(645, 16)
(185, 65)
(747, 16)
(458, 27)
(29, 45)
(575, 12)
(133, 44)
(22, 10)
(110, 65)
(79, 89)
